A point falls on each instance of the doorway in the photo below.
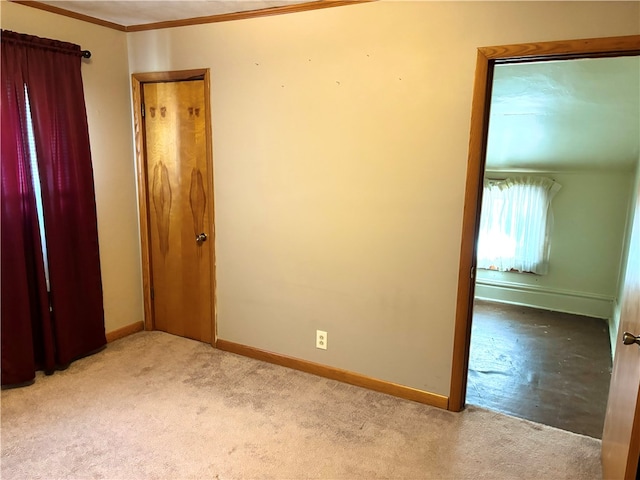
(621, 438)
(174, 159)
(540, 341)
(487, 59)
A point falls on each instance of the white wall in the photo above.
(340, 149)
(590, 215)
(106, 86)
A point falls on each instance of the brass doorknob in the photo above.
(630, 339)
(201, 238)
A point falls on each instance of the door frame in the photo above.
(137, 82)
(487, 58)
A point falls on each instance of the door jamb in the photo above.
(487, 58)
(137, 81)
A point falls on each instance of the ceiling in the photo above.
(129, 13)
(565, 115)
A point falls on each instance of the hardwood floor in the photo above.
(548, 367)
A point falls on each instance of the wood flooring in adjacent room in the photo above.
(549, 367)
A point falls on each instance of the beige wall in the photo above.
(340, 143)
(106, 86)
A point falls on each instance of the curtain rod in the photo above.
(46, 43)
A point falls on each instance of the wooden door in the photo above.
(621, 437)
(180, 229)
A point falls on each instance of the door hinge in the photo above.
(142, 109)
(473, 273)
(153, 293)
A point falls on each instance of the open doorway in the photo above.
(621, 437)
(540, 340)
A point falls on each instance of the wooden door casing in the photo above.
(487, 57)
(178, 202)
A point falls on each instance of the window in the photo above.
(515, 224)
(52, 308)
(35, 175)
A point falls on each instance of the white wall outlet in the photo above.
(321, 339)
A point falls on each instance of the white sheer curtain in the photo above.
(514, 224)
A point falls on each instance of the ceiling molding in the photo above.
(226, 17)
(266, 12)
(70, 14)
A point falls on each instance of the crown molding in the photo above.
(226, 17)
(68, 13)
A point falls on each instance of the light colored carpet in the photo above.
(157, 406)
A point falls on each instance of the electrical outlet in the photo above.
(321, 339)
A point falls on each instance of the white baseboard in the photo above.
(567, 301)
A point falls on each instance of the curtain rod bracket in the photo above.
(86, 54)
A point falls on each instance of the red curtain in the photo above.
(74, 325)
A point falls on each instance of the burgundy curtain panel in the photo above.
(23, 282)
(68, 322)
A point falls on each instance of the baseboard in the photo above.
(566, 301)
(345, 376)
(125, 331)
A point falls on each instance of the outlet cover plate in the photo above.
(321, 339)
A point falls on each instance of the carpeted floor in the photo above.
(157, 406)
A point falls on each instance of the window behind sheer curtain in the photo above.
(515, 224)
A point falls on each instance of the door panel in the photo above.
(177, 173)
(621, 437)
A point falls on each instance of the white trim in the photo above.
(559, 300)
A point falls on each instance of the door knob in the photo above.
(201, 238)
(630, 339)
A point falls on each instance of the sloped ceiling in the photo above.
(566, 115)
